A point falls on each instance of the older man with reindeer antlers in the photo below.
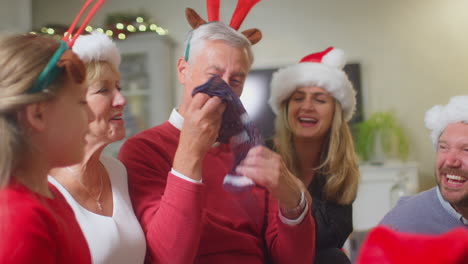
(176, 170)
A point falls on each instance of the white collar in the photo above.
(449, 208)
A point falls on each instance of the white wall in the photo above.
(413, 52)
(15, 15)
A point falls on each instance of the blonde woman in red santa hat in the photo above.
(96, 188)
(313, 101)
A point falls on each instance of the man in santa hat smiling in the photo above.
(444, 207)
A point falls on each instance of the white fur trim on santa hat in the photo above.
(331, 78)
(439, 117)
(97, 47)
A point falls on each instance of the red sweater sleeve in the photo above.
(24, 237)
(290, 244)
(169, 208)
(35, 229)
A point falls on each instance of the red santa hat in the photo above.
(323, 69)
(97, 47)
(385, 246)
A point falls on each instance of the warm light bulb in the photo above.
(161, 31)
(100, 30)
(131, 28)
(89, 28)
(44, 30)
(50, 31)
(121, 36)
(142, 28)
(109, 33)
(119, 26)
(139, 19)
(153, 27)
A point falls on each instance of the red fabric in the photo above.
(212, 7)
(316, 57)
(242, 9)
(386, 246)
(186, 222)
(36, 229)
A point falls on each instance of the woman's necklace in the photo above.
(98, 198)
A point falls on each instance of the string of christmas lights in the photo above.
(117, 30)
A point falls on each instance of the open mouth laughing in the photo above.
(307, 121)
(454, 178)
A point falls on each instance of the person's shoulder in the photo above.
(416, 201)
(111, 162)
(20, 206)
(161, 130)
(27, 227)
(150, 140)
(418, 198)
(153, 135)
(16, 194)
(114, 167)
(410, 209)
(117, 172)
(144, 150)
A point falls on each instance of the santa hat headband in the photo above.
(243, 7)
(323, 69)
(97, 47)
(439, 117)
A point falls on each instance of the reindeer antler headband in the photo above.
(243, 7)
(53, 68)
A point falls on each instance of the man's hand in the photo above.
(202, 121)
(267, 168)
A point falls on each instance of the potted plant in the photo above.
(379, 138)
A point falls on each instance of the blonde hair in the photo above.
(95, 69)
(338, 162)
(22, 58)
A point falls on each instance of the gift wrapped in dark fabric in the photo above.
(236, 129)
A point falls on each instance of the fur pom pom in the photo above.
(439, 117)
(97, 47)
(335, 58)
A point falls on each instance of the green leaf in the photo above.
(393, 139)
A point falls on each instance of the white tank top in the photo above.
(116, 239)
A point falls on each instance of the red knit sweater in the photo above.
(36, 229)
(185, 222)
